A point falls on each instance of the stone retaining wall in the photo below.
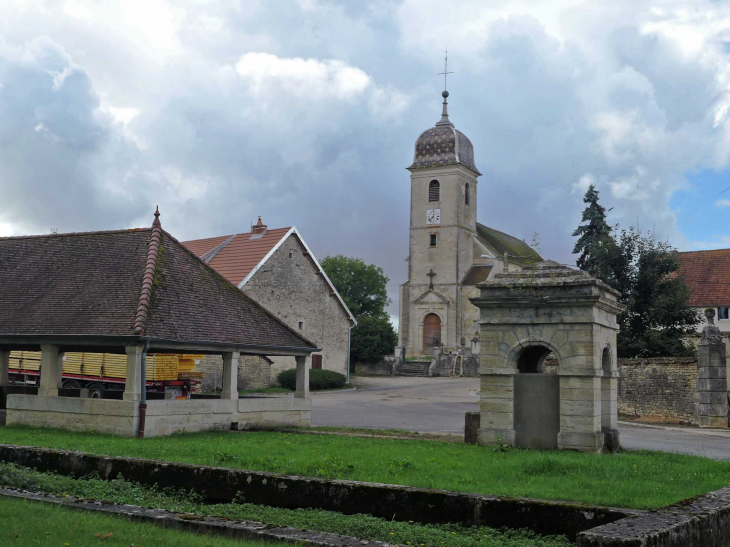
(403, 503)
(664, 387)
(254, 372)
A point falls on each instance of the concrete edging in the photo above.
(403, 503)
(239, 529)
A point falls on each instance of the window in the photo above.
(301, 325)
(434, 191)
(466, 194)
(291, 254)
(723, 312)
(433, 239)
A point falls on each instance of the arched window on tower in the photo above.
(434, 191)
(466, 194)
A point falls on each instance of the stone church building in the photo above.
(449, 251)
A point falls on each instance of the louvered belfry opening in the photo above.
(466, 194)
(434, 191)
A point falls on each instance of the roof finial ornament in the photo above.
(156, 222)
(445, 113)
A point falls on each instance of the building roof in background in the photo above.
(476, 274)
(238, 257)
(139, 282)
(707, 274)
(503, 243)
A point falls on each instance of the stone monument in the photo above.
(548, 310)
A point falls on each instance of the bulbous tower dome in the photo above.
(443, 145)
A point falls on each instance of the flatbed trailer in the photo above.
(102, 372)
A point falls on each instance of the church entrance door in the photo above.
(431, 331)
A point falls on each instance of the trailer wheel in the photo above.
(96, 391)
(71, 384)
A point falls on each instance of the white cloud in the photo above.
(722, 203)
(583, 183)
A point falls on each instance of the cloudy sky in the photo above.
(305, 112)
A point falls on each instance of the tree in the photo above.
(373, 338)
(362, 286)
(644, 271)
(595, 242)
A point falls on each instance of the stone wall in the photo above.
(164, 417)
(662, 387)
(290, 286)
(254, 372)
(384, 367)
(443, 364)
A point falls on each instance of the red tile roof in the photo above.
(707, 274)
(240, 255)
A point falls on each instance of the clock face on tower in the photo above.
(433, 216)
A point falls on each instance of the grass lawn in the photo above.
(29, 523)
(626, 479)
(361, 526)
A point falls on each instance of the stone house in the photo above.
(276, 268)
(707, 274)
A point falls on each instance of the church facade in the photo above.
(449, 251)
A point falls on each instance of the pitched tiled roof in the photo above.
(240, 255)
(91, 284)
(503, 243)
(707, 274)
(236, 256)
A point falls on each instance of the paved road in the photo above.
(437, 405)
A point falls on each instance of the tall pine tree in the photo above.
(595, 242)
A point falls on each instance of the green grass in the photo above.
(627, 479)
(361, 526)
(29, 523)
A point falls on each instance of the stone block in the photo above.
(713, 372)
(496, 405)
(577, 394)
(719, 409)
(496, 436)
(580, 424)
(580, 408)
(584, 442)
(709, 384)
(715, 422)
(712, 397)
(497, 420)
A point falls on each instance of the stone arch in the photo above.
(514, 353)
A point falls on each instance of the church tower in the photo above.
(443, 229)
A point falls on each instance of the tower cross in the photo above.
(431, 275)
(446, 68)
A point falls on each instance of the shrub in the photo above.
(318, 379)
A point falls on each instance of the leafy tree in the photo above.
(373, 338)
(362, 286)
(595, 242)
(643, 270)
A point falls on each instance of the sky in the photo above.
(306, 112)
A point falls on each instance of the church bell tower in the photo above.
(442, 231)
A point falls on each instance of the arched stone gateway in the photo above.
(525, 317)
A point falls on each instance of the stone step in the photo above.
(414, 368)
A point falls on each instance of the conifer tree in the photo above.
(595, 242)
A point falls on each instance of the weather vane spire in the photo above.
(445, 113)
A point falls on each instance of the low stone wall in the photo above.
(163, 417)
(443, 365)
(384, 367)
(703, 521)
(403, 503)
(254, 372)
(662, 387)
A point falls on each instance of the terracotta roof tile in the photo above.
(242, 253)
(707, 274)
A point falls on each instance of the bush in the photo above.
(318, 379)
(372, 339)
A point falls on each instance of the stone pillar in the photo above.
(302, 378)
(609, 412)
(133, 385)
(4, 367)
(230, 376)
(712, 409)
(580, 413)
(496, 424)
(51, 365)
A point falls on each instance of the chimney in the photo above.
(259, 227)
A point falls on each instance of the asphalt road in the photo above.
(437, 405)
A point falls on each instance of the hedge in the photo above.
(318, 379)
